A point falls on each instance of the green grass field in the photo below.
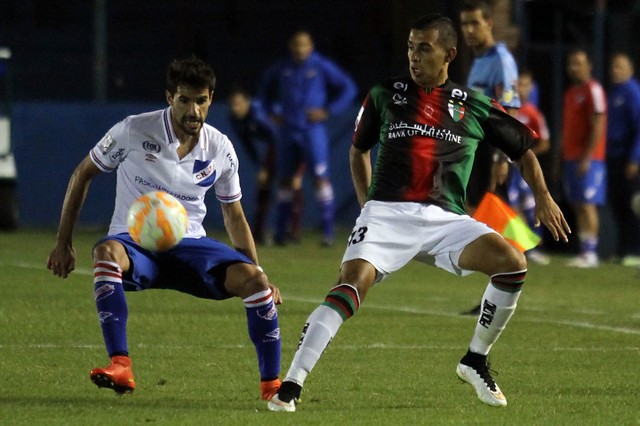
(569, 356)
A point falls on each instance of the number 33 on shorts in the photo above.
(357, 236)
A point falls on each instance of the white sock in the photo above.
(495, 311)
(322, 325)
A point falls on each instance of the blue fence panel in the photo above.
(50, 139)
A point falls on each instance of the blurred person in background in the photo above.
(300, 93)
(623, 155)
(494, 73)
(584, 136)
(258, 135)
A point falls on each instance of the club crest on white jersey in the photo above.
(204, 173)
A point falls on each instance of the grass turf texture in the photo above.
(569, 356)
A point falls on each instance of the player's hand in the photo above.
(62, 260)
(316, 115)
(275, 293)
(499, 173)
(548, 212)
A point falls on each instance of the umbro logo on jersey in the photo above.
(204, 173)
(151, 146)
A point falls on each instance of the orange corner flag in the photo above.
(496, 214)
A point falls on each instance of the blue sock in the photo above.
(284, 209)
(262, 320)
(325, 200)
(112, 306)
(589, 244)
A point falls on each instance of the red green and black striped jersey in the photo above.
(428, 140)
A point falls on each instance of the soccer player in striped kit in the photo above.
(173, 150)
(413, 203)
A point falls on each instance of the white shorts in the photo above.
(389, 234)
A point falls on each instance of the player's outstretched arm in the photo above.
(62, 259)
(547, 211)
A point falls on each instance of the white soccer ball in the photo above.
(157, 221)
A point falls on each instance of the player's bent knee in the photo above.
(112, 251)
(515, 260)
(358, 273)
(244, 280)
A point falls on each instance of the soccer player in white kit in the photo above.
(172, 150)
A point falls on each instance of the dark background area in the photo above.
(103, 58)
(53, 42)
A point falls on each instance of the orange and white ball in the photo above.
(157, 221)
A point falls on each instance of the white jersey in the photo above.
(143, 150)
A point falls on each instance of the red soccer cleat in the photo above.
(269, 388)
(117, 376)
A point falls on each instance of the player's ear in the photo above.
(451, 54)
(168, 96)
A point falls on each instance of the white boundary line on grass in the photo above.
(373, 346)
(407, 309)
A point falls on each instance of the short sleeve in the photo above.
(112, 148)
(367, 126)
(227, 186)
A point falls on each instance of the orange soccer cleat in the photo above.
(117, 376)
(269, 388)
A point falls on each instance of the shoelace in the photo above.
(485, 372)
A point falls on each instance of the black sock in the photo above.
(473, 359)
(289, 391)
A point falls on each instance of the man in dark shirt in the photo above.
(259, 138)
(413, 203)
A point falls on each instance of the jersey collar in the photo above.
(170, 134)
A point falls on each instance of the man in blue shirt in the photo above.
(623, 155)
(494, 73)
(259, 138)
(300, 93)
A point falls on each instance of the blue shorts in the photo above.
(589, 188)
(196, 266)
(310, 146)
